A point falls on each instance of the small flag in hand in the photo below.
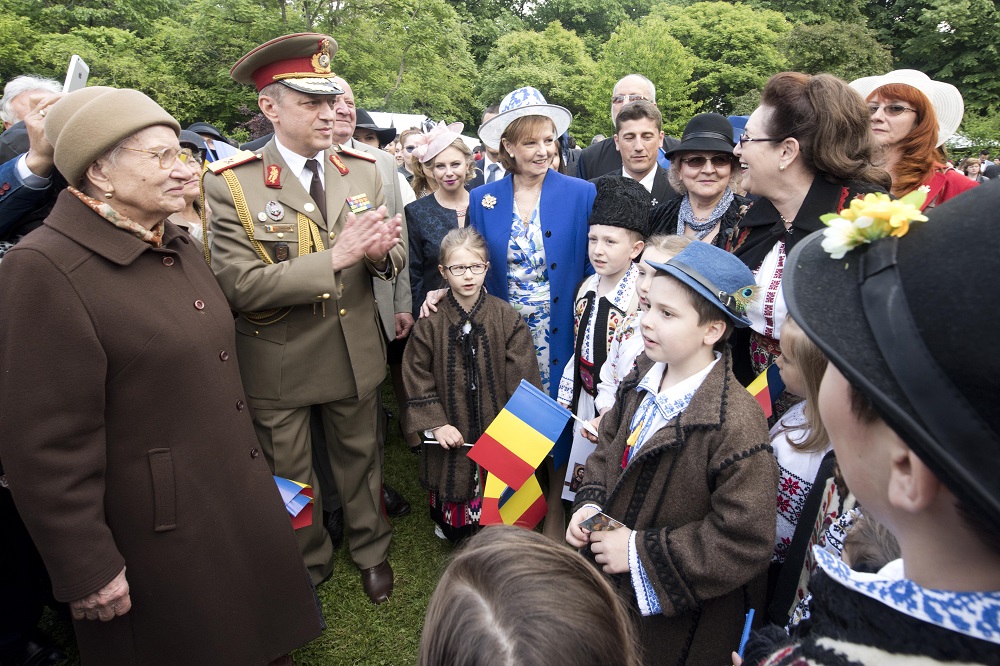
(766, 388)
(298, 498)
(504, 505)
(521, 435)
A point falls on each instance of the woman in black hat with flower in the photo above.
(703, 169)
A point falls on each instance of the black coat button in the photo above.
(254, 453)
(555, 361)
(239, 405)
(555, 330)
(555, 299)
(548, 234)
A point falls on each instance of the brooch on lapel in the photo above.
(489, 201)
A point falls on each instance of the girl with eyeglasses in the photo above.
(807, 149)
(912, 116)
(460, 367)
(703, 170)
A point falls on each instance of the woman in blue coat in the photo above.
(535, 225)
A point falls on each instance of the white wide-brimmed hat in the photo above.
(523, 102)
(949, 107)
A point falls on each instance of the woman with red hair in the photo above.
(912, 116)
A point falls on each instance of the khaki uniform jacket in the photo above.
(393, 297)
(127, 442)
(330, 345)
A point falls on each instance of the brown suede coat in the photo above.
(436, 374)
(126, 441)
(700, 494)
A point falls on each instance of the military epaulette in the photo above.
(242, 157)
(361, 155)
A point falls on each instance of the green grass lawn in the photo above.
(358, 632)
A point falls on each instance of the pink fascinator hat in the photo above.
(429, 144)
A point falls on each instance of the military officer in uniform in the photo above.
(298, 233)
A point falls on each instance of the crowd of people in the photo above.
(187, 320)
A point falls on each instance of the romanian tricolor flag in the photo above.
(521, 435)
(298, 500)
(504, 505)
(766, 388)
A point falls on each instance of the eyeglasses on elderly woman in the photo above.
(167, 156)
(891, 110)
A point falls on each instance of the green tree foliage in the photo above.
(811, 12)
(410, 57)
(592, 20)
(554, 61)
(836, 48)
(645, 47)
(735, 48)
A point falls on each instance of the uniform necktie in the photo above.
(492, 172)
(316, 190)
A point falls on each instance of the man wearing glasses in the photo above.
(604, 157)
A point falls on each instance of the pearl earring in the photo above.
(781, 167)
(109, 194)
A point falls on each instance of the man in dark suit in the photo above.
(489, 168)
(638, 138)
(603, 157)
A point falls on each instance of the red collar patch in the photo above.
(339, 163)
(272, 176)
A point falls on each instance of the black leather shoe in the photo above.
(395, 504)
(35, 652)
(378, 582)
(335, 526)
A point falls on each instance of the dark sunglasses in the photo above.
(698, 161)
(891, 110)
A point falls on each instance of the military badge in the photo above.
(274, 210)
(359, 204)
(339, 163)
(272, 176)
(321, 59)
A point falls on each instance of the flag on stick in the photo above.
(504, 505)
(297, 498)
(766, 388)
(521, 435)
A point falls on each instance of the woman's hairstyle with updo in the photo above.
(466, 237)
(829, 120)
(422, 173)
(520, 130)
(512, 597)
(918, 152)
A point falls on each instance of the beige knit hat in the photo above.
(85, 124)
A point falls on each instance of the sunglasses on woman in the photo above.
(698, 161)
(890, 110)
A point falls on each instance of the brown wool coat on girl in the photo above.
(127, 441)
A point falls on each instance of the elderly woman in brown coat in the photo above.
(126, 441)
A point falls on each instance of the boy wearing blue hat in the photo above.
(683, 463)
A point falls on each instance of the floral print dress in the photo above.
(528, 288)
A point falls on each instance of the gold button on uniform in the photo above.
(343, 312)
(326, 296)
(280, 235)
(309, 208)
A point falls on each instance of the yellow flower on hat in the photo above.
(869, 219)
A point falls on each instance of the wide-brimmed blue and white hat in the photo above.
(523, 102)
